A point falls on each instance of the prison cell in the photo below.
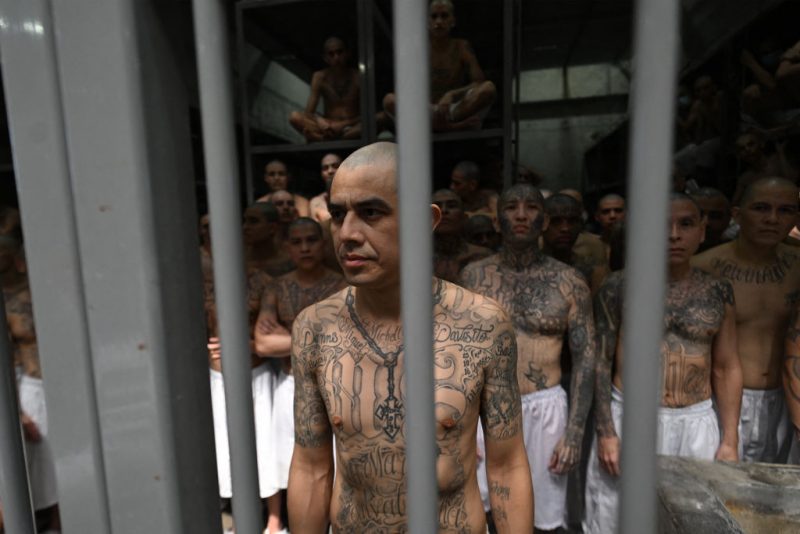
(92, 93)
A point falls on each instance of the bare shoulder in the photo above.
(464, 46)
(325, 311)
(789, 253)
(706, 260)
(613, 285)
(720, 287)
(477, 273)
(457, 304)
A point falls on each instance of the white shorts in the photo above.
(692, 431)
(41, 468)
(283, 427)
(764, 427)
(544, 420)
(263, 382)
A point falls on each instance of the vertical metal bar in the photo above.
(414, 138)
(129, 157)
(508, 64)
(42, 172)
(369, 105)
(226, 238)
(245, 103)
(14, 491)
(655, 68)
(518, 73)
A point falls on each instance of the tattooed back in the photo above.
(351, 385)
(765, 295)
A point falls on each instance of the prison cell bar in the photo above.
(416, 271)
(222, 171)
(14, 491)
(655, 67)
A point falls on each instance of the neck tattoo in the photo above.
(390, 411)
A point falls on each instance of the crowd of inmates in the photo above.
(555, 263)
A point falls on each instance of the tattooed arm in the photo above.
(791, 370)
(271, 338)
(581, 335)
(607, 315)
(507, 470)
(726, 378)
(311, 471)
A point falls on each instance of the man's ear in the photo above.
(436, 215)
(735, 213)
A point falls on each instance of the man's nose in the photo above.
(350, 230)
(772, 216)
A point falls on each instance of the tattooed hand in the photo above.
(565, 457)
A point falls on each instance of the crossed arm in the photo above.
(271, 339)
(507, 470)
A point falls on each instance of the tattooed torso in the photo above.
(19, 315)
(257, 281)
(694, 312)
(351, 383)
(539, 300)
(765, 296)
(286, 297)
(447, 264)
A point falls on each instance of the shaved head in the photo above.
(560, 204)
(773, 182)
(331, 42)
(382, 153)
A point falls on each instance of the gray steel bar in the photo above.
(130, 163)
(414, 138)
(42, 172)
(509, 165)
(14, 491)
(652, 117)
(221, 167)
(245, 104)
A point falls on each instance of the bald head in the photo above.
(562, 204)
(332, 42)
(771, 183)
(610, 209)
(382, 154)
(574, 193)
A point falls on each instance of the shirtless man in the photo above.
(261, 230)
(610, 209)
(339, 85)
(276, 176)
(465, 181)
(460, 93)
(263, 378)
(546, 300)
(348, 365)
(791, 383)
(479, 230)
(698, 358)
(318, 206)
(282, 301)
(716, 209)
(451, 252)
(33, 412)
(561, 235)
(765, 275)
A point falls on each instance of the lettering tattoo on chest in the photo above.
(771, 274)
(390, 411)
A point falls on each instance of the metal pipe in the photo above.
(650, 156)
(14, 490)
(414, 167)
(219, 146)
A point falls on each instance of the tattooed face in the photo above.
(276, 175)
(768, 214)
(305, 246)
(521, 215)
(363, 208)
(686, 231)
(453, 216)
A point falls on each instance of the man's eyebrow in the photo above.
(374, 202)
